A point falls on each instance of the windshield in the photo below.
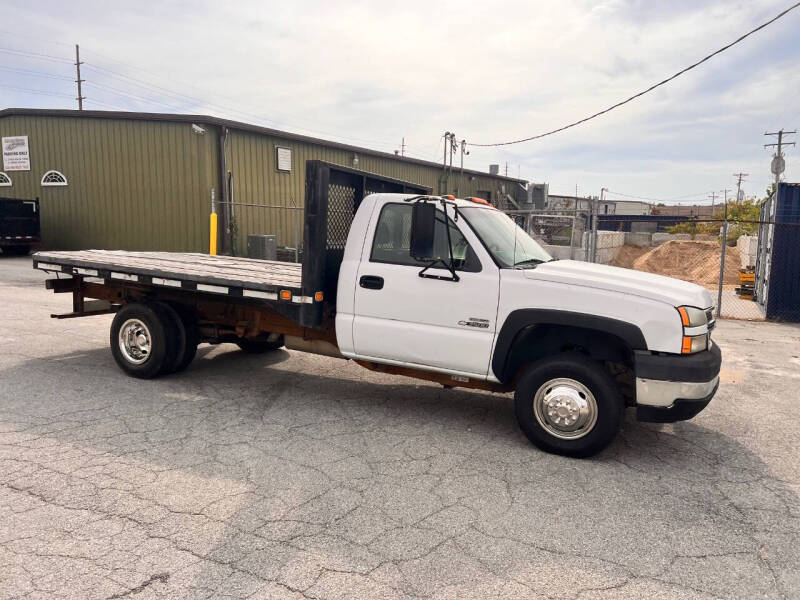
(508, 244)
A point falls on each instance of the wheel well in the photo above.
(539, 341)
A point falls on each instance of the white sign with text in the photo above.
(16, 154)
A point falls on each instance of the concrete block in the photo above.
(642, 240)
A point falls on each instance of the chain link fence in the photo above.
(715, 254)
(561, 234)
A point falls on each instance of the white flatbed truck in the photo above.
(437, 288)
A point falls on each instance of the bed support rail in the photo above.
(81, 307)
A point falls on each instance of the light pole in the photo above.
(596, 213)
(461, 175)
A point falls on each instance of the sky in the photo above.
(371, 73)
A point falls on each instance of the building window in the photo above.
(5, 180)
(53, 178)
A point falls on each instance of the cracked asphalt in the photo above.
(297, 476)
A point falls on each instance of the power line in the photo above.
(197, 101)
(49, 93)
(32, 91)
(129, 95)
(35, 73)
(35, 55)
(203, 103)
(27, 38)
(657, 199)
(650, 89)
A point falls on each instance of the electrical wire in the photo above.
(126, 94)
(39, 56)
(32, 91)
(658, 199)
(152, 87)
(48, 93)
(36, 73)
(203, 103)
(650, 89)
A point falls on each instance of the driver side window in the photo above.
(392, 241)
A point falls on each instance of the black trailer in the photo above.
(19, 226)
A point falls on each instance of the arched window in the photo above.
(52, 178)
(5, 180)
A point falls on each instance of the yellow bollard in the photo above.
(212, 244)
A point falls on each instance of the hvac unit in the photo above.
(264, 247)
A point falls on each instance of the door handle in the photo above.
(371, 282)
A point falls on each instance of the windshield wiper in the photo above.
(529, 261)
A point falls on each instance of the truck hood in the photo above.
(625, 281)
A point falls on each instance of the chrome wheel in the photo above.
(565, 408)
(135, 341)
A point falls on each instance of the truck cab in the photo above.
(577, 341)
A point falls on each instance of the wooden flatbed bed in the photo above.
(233, 276)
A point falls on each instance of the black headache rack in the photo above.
(333, 195)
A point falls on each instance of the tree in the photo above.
(742, 220)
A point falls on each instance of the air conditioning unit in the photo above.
(264, 247)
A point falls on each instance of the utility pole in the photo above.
(461, 175)
(79, 81)
(595, 204)
(778, 163)
(443, 187)
(453, 148)
(739, 178)
(725, 191)
(722, 256)
(713, 202)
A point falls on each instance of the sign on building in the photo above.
(16, 155)
(284, 159)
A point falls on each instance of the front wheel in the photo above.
(568, 405)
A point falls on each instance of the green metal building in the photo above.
(145, 181)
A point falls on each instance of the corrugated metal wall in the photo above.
(145, 185)
(252, 159)
(133, 185)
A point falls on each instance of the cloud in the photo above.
(370, 73)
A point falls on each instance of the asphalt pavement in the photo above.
(299, 476)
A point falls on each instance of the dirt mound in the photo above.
(690, 260)
(628, 255)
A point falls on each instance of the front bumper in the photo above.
(673, 388)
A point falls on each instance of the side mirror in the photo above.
(423, 224)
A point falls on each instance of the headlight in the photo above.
(694, 343)
(691, 319)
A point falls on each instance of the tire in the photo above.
(191, 339)
(143, 340)
(177, 332)
(259, 346)
(568, 405)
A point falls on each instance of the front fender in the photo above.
(521, 320)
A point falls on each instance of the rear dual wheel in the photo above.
(152, 339)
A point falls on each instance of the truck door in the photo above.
(401, 317)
